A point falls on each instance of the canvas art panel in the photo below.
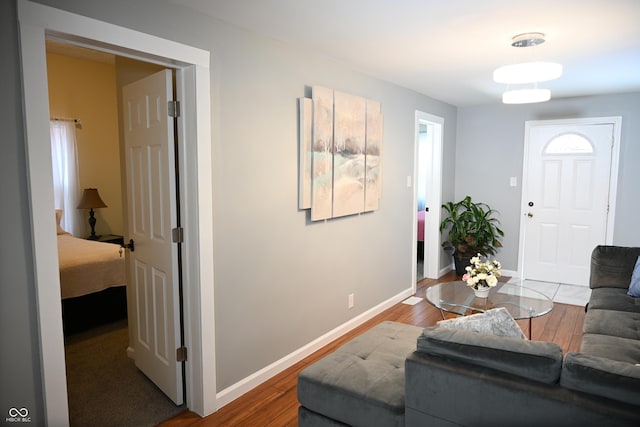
(373, 164)
(348, 154)
(322, 154)
(305, 108)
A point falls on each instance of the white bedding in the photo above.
(88, 266)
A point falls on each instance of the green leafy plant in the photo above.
(472, 229)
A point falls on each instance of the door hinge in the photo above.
(181, 354)
(177, 235)
(173, 109)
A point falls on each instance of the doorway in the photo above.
(193, 86)
(427, 195)
(568, 199)
(87, 84)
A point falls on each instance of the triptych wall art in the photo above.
(340, 154)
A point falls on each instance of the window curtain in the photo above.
(66, 188)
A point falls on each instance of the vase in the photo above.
(461, 264)
(482, 291)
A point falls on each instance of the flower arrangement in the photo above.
(482, 274)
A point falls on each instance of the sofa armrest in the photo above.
(602, 377)
(612, 266)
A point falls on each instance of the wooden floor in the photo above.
(274, 403)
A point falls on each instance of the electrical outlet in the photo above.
(351, 302)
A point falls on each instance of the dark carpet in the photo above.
(104, 386)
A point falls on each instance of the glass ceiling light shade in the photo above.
(528, 72)
(526, 96)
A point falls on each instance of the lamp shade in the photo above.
(528, 72)
(526, 96)
(91, 199)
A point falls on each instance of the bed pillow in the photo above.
(59, 229)
(496, 321)
(634, 286)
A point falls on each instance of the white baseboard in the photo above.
(446, 269)
(245, 385)
(512, 273)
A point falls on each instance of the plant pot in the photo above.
(482, 291)
(461, 264)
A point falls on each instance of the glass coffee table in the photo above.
(520, 302)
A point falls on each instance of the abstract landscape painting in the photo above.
(345, 154)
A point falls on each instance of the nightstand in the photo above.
(110, 238)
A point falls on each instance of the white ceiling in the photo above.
(448, 49)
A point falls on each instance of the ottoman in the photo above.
(361, 383)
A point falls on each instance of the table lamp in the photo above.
(91, 200)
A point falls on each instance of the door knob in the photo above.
(530, 214)
(131, 246)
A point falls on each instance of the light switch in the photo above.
(513, 181)
(408, 181)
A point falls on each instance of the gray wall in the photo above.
(490, 147)
(20, 382)
(280, 280)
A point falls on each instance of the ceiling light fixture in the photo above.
(527, 73)
(526, 96)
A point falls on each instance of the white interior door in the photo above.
(428, 179)
(565, 199)
(153, 270)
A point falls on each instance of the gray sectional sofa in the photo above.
(402, 375)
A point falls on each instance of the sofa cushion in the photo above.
(634, 286)
(602, 377)
(612, 266)
(496, 321)
(611, 322)
(535, 360)
(613, 299)
(614, 348)
(362, 382)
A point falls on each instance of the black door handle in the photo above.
(131, 246)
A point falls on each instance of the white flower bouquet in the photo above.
(482, 274)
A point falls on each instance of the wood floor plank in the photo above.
(274, 403)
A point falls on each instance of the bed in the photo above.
(420, 235)
(92, 282)
(87, 266)
(421, 226)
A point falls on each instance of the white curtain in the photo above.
(66, 188)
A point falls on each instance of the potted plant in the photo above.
(473, 229)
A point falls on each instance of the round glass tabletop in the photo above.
(458, 298)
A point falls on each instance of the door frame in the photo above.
(616, 121)
(36, 23)
(434, 198)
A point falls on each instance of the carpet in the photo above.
(104, 386)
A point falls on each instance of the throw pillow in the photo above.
(496, 321)
(634, 287)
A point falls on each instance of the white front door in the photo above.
(565, 199)
(153, 270)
